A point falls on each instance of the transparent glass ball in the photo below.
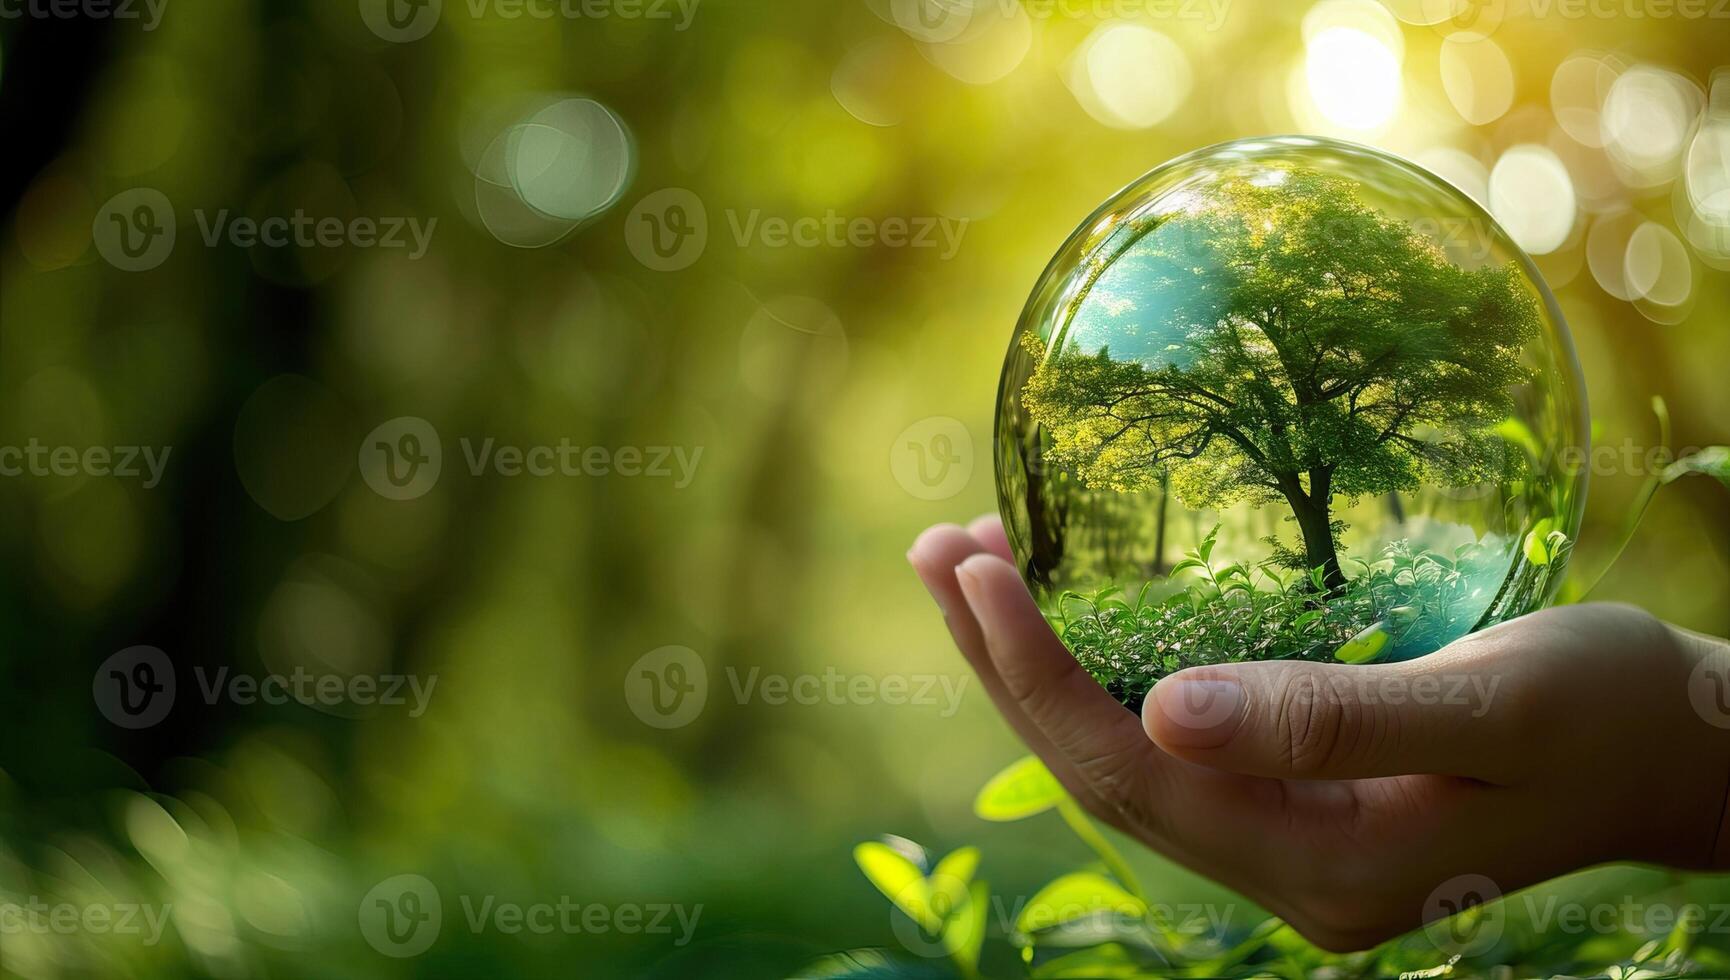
(1287, 398)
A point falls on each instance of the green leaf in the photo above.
(1023, 789)
(1207, 543)
(1713, 462)
(1543, 542)
(959, 864)
(949, 880)
(1186, 565)
(1076, 896)
(900, 881)
(1369, 644)
(964, 932)
(1307, 618)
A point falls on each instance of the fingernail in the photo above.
(1203, 711)
(968, 578)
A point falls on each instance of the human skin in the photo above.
(1357, 802)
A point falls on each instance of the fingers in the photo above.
(1077, 715)
(988, 531)
(1446, 715)
(935, 557)
(1218, 823)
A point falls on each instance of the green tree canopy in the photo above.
(1287, 342)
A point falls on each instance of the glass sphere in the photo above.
(1287, 398)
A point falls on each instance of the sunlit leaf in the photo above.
(1076, 896)
(1369, 644)
(1539, 547)
(900, 881)
(949, 880)
(964, 932)
(1186, 565)
(1023, 789)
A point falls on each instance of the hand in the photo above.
(1353, 800)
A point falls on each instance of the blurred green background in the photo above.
(837, 378)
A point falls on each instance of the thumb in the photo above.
(1297, 720)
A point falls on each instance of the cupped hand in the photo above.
(1354, 801)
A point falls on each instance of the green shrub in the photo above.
(1405, 603)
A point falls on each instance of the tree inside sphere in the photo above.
(1287, 398)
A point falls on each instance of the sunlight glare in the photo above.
(1354, 79)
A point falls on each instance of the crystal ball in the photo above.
(1287, 398)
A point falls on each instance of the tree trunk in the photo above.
(1045, 527)
(1159, 527)
(1313, 511)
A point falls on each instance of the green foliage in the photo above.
(947, 906)
(1405, 602)
(1297, 345)
(1091, 923)
(1020, 791)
